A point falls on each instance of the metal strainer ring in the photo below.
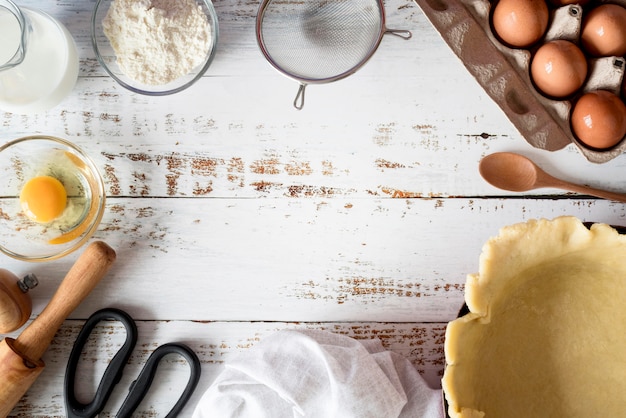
(320, 41)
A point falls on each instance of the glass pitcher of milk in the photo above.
(38, 60)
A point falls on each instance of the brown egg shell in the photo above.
(598, 119)
(519, 24)
(503, 71)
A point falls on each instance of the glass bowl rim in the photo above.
(99, 182)
(214, 26)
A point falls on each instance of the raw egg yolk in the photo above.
(43, 199)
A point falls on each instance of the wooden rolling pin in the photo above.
(20, 358)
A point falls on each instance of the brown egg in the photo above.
(603, 31)
(520, 23)
(599, 119)
(560, 3)
(558, 68)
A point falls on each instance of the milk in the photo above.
(10, 35)
(50, 67)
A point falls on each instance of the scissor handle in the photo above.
(113, 372)
(140, 387)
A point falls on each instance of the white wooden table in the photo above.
(234, 215)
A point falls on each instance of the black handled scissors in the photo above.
(113, 373)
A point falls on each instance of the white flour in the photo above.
(157, 41)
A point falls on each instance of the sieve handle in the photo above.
(401, 33)
(298, 102)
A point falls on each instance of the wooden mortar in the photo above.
(15, 303)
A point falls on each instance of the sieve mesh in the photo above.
(317, 40)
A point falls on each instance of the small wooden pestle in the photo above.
(15, 303)
(20, 358)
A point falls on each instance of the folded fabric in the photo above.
(318, 374)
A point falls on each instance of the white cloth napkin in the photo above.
(318, 374)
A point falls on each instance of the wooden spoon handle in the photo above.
(84, 275)
(604, 194)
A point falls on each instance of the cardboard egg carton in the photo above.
(504, 72)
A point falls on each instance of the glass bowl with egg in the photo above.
(52, 198)
(154, 47)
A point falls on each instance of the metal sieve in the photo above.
(320, 41)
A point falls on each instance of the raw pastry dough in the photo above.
(546, 332)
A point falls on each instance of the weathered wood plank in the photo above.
(337, 259)
(230, 210)
(417, 131)
(225, 153)
(215, 343)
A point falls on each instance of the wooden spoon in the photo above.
(514, 172)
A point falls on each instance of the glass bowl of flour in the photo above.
(154, 47)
